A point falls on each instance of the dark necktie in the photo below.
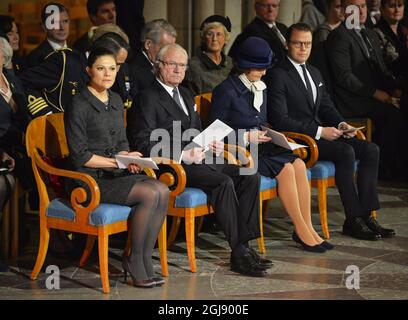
(308, 84)
(278, 34)
(176, 99)
(367, 43)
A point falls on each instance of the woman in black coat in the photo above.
(240, 102)
(94, 126)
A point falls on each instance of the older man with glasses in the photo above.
(265, 26)
(234, 197)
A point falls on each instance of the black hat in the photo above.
(216, 18)
(254, 52)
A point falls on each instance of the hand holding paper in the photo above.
(124, 161)
(217, 131)
(280, 140)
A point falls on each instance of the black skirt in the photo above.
(114, 185)
(273, 158)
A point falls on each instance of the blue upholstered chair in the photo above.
(46, 138)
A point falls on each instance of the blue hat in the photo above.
(254, 53)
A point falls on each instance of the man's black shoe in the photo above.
(358, 229)
(375, 227)
(246, 265)
(265, 263)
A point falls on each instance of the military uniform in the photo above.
(125, 85)
(37, 56)
(51, 86)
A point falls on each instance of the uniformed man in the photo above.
(51, 85)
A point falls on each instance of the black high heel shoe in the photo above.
(316, 248)
(149, 283)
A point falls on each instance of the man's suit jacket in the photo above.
(258, 28)
(289, 106)
(155, 109)
(356, 78)
(39, 53)
(141, 71)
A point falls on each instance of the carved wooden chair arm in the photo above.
(309, 155)
(172, 174)
(242, 156)
(78, 195)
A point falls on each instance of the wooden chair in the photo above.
(363, 122)
(46, 137)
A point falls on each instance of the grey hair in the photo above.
(214, 25)
(163, 52)
(154, 30)
(7, 50)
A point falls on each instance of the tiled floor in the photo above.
(296, 274)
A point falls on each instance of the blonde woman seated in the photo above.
(240, 102)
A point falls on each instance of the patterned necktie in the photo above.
(308, 84)
(278, 34)
(367, 42)
(176, 98)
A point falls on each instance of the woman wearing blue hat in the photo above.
(240, 101)
(210, 66)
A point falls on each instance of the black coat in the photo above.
(155, 109)
(13, 125)
(83, 44)
(258, 28)
(355, 77)
(290, 109)
(141, 71)
(39, 53)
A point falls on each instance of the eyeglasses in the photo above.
(173, 65)
(267, 6)
(215, 34)
(299, 44)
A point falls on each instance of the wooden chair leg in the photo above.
(5, 233)
(261, 240)
(42, 251)
(14, 212)
(163, 249)
(90, 242)
(322, 202)
(190, 240)
(175, 226)
(103, 239)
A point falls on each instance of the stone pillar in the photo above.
(155, 9)
(202, 10)
(290, 11)
(179, 15)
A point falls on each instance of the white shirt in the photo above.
(57, 46)
(298, 67)
(279, 34)
(170, 92)
(147, 57)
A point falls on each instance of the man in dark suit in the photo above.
(363, 87)
(55, 21)
(298, 101)
(100, 12)
(264, 26)
(234, 197)
(155, 35)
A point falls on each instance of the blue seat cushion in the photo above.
(191, 198)
(325, 169)
(104, 214)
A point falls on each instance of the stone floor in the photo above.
(381, 266)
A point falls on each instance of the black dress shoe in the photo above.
(246, 265)
(375, 227)
(358, 229)
(316, 248)
(265, 263)
(327, 245)
(159, 281)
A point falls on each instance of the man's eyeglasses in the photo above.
(267, 6)
(299, 44)
(173, 65)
